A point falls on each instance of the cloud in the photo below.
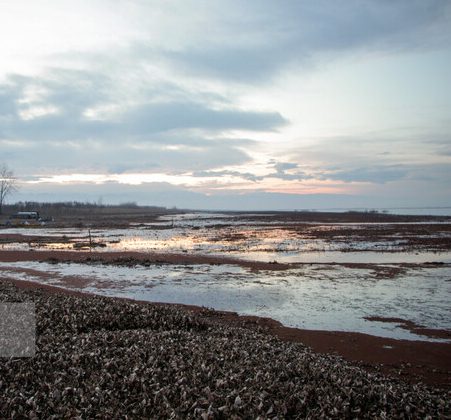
(230, 63)
(94, 157)
(47, 125)
(438, 174)
(140, 122)
(281, 171)
(74, 93)
(8, 98)
(374, 174)
(297, 33)
(181, 115)
(214, 174)
(390, 156)
(284, 166)
(441, 144)
(171, 89)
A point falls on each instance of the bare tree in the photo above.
(8, 184)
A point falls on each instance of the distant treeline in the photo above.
(76, 207)
(34, 205)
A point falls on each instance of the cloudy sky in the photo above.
(228, 104)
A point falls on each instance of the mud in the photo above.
(277, 243)
(409, 361)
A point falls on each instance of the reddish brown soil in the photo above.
(412, 327)
(413, 361)
(7, 238)
(411, 236)
(131, 258)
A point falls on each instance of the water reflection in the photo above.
(312, 297)
(257, 238)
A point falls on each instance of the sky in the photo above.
(209, 104)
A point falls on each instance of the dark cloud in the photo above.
(244, 175)
(281, 169)
(51, 157)
(73, 93)
(279, 172)
(235, 63)
(441, 144)
(298, 32)
(375, 174)
(438, 174)
(159, 133)
(8, 102)
(284, 166)
(71, 90)
(181, 115)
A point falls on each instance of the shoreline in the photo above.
(409, 361)
(109, 357)
(134, 258)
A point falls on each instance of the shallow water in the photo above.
(330, 297)
(340, 257)
(324, 297)
(203, 236)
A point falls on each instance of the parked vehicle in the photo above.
(25, 218)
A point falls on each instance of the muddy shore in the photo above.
(132, 258)
(407, 364)
(110, 357)
(411, 361)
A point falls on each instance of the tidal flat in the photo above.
(373, 289)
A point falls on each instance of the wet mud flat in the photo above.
(366, 298)
(243, 235)
(422, 356)
(107, 357)
(335, 278)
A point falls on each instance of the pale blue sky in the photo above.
(213, 104)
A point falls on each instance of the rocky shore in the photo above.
(110, 358)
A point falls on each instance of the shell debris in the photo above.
(109, 358)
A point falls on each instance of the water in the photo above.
(327, 295)
(206, 236)
(361, 257)
(312, 297)
(408, 211)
